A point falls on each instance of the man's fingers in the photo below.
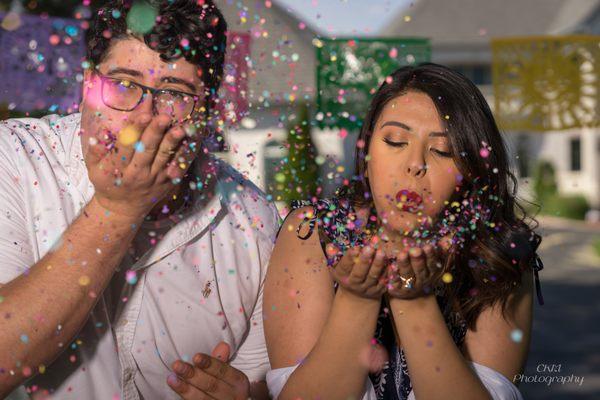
(221, 352)
(180, 163)
(186, 390)
(218, 369)
(167, 149)
(150, 140)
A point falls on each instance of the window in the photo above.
(575, 148)
(478, 74)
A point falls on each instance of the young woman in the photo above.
(415, 280)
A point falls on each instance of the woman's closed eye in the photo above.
(439, 152)
(394, 144)
(442, 153)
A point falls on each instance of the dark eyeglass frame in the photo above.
(145, 91)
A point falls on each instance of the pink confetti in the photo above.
(343, 133)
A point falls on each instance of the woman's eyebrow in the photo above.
(408, 128)
(396, 123)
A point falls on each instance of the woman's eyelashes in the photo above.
(394, 144)
(446, 154)
(404, 144)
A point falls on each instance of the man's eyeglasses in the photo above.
(123, 95)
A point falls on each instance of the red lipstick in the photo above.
(407, 200)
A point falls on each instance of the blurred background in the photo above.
(298, 79)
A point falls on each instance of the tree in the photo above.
(299, 176)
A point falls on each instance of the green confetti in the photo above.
(141, 17)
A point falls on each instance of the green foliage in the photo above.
(596, 245)
(544, 180)
(573, 206)
(299, 176)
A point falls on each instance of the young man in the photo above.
(128, 254)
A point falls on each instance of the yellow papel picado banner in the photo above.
(547, 83)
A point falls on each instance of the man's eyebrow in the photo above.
(120, 70)
(174, 79)
(408, 128)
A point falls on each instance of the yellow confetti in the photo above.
(129, 135)
(447, 277)
(84, 280)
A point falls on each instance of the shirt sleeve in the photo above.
(498, 386)
(16, 254)
(276, 379)
(252, 358)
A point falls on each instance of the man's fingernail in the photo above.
(173, 379)
(179, 367)
(202, 361)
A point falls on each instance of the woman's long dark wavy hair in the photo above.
(497, 242)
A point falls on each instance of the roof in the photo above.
(476, 21)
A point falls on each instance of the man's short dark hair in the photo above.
(192, 29)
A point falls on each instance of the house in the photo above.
(282, 74)
(460, 32)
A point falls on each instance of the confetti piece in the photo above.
(84, 280)
(516, 335)
(447, 277)
(11, 22)
(131, 277)
(141, 17)
(129, 135)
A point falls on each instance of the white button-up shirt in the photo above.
(199, 285)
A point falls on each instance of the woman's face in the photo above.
(410, 169)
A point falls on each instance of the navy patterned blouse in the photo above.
(337, 224)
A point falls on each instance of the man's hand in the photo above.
(210, 377)
(136, 168)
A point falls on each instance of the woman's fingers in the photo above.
(418, 264)
(375, 281)
(362, 265)
(346, 263)
(377, 267)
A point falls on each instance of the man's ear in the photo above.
(87, 79)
